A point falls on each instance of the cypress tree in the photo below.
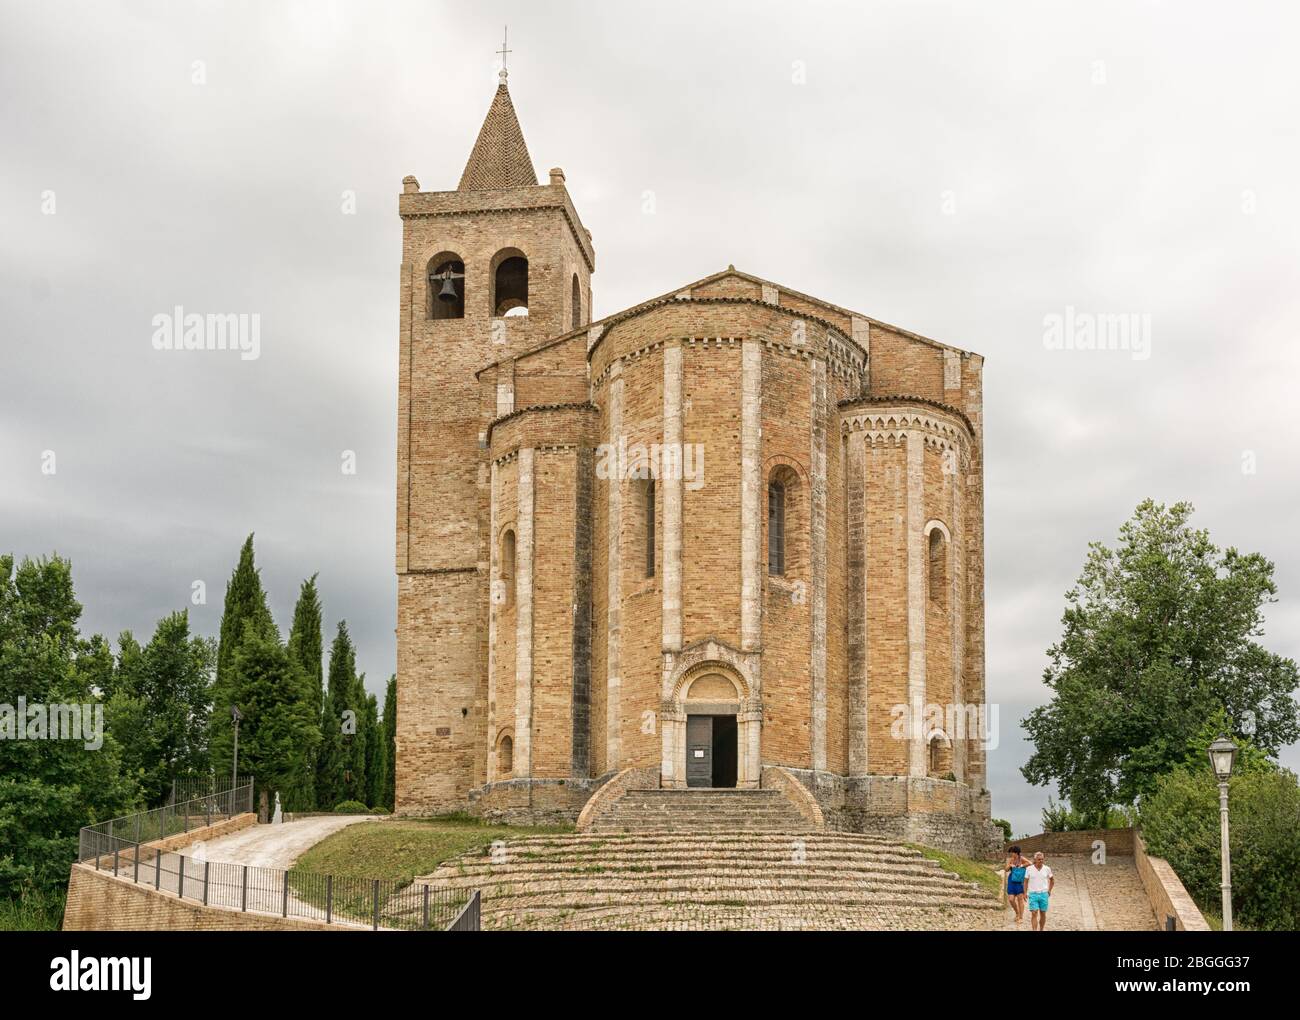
(306, 648)
(331, 763)
(306, 642)
(245, 603)
(390, 745)
(374, 754)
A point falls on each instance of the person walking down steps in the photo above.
(1039, 884)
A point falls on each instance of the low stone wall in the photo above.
(934, 812)
(611, 791)
(99, 902)
(1117, 841)
(775, 777)
(1165, 891)
(534, 801)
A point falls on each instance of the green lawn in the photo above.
(400, 849)
(965, 868)
(396, 851)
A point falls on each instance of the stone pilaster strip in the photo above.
(751, 489)
(524, 561)
(494, 588)
(671, 490)
(614, 587)
(855, 554)
(916, 566)
(817, 547)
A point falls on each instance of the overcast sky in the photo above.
(960, 170)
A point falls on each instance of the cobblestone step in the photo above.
(500, 912)
(662, 878)
(791, 917)
(676, 865)
(700, 810)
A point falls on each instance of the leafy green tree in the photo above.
(161, 705)
(1180, 822)
(390, 745)
(1159, 636)
(279, 732)
(245, 602)
(50, 788)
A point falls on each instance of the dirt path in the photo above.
(1093, 897)
(272, 846)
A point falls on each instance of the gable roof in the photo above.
(500, 157)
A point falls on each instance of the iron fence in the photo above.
(198, 787)
(334, 899)
(126, 846)
(170, 820)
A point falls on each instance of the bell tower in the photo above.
(490, 270)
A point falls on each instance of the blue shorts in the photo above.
(1015, 888)
(1038, 901)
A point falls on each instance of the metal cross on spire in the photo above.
(505, 36)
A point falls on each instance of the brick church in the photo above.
(730, 537)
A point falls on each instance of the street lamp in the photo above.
(1222, 753)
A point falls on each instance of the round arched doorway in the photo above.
(710, 731)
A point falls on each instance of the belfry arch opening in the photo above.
(446, 278)
(509, 283)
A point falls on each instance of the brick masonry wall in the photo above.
(99, 902)
(1118, 841)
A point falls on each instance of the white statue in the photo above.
(277, 816)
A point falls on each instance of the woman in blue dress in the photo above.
(1015, 869)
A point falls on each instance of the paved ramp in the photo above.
(1093, 897)
(272, 846)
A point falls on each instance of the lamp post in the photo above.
(1222, 753)
(235, 716)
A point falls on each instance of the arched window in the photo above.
(507, 567)
(938, 583)
(446, 278)
(505, 757)
(936, 762)
(509, 283)
(577, 303)
(650, 528)
(776, 526)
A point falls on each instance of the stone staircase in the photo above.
(709, 810)
(715, 880)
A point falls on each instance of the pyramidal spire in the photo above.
(499, 158)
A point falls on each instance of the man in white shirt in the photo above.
(1038, 884)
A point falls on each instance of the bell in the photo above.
(448, 292)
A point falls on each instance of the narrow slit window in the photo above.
(776, 528)
(650, 528)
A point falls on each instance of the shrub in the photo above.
(378, 810)
(1180, 822)
(1005, 826)
(351, 807)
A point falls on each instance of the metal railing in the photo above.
(198, 787)
(333, 899)
(126, 847)
(104, 838)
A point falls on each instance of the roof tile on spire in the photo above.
(500, 158)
